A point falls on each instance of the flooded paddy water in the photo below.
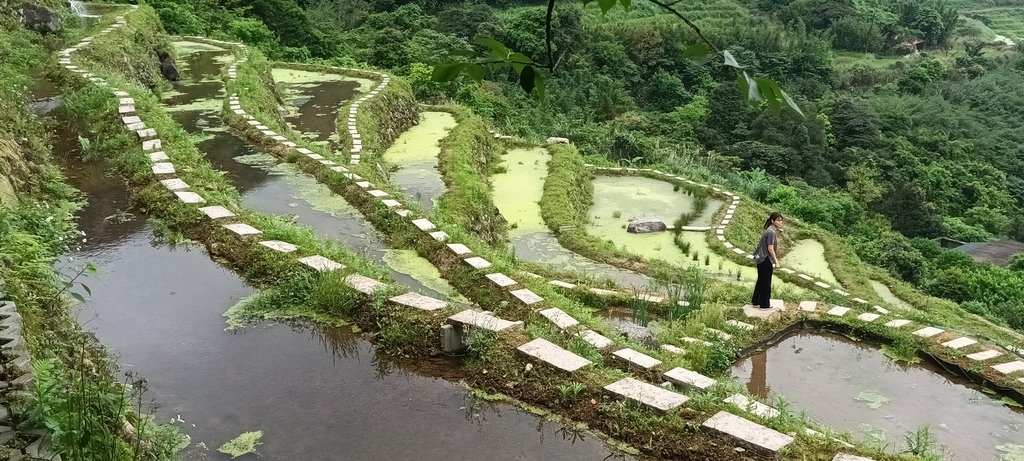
(888, 296)
(852, 386)
(414, 155)
(316, 393)
(314, 99)
(617, 199)
(808, 256)
(517, 194)
(279, 188)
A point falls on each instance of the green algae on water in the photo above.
(888, 296)
(242, 445)
(412, 264)
(873, 398)
(421, 142)
(517, 191)
(808, 256)
(187, 47)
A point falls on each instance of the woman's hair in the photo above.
(775, 216)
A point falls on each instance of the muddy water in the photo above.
(314, 392)
(517, 193)
(314, 99)
(838, 381)
(888, 296)
(271, 187)
(415, 153)
(808, 256)
(619, 199)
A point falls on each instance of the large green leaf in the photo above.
(446, 72)
(528, 79)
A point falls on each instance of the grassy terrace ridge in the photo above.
(491, 362)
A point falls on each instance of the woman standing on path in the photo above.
(767, 259)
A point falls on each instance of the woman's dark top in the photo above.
(768, 237)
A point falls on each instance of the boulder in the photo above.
(167, 67)
(39, 18)
(554, 140)
(646, 226)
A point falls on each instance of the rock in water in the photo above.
(554, 140)
(39, 18)
(167, 67)
(646, 226)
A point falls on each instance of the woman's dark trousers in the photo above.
(763, 288)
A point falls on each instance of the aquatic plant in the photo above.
(921, 443)
(873, 398)
(242, 445)
(616, 214)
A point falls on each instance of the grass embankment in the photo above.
(492, 364)
(469, 155)
(77, 397)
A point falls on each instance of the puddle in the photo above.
(888, 296)
(314, 99)
(279, 188)
(314, 392)
(517, 193)
(838, 381)
(415, 155)
(808, 256)
(620, 198)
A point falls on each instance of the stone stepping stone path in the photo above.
(483, 320)
(595, 339)
(748, 433)
(752, 406)
(687, 378)
(846, 457)
(636, 358)
(551, 354)
(277, 245)
(418, 301)
(501, 280)
(984, 355)
(526, 296)
(647, 394)
(559, 318)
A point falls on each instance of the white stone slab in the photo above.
(928, 332)
(277, 245)
(440, 236)
(637, 358)
(329, 163)
(477, 262)
(700, 342)
(242, 229)
(501, 280)
(126, 101)
(841, 292)
(151, 144)
(739, 325)
(268, 132)
(130, 119)
(720, 334)
(649, 298)
(550, 353)
(318, 157)
(603, 292)
(838, 311)
(881, 310)
(174, 184)
(288, 144)
(279, 138)
(859, 300)
(126, 109)
(303, 151)
(822, 285)
(262, 128)
(559, 318)
(339, 169)
(1009, 367)
(459, 249)
(805, 277)
(377, 193)
(559, 283)
(752, 406)
(898, 323)
(808, 306)
(189, 197)
(960, 343)
(525, 295)
(984, 355)
(846, 457)
(216, 212)
(483, 320)
(738, 251)
(418, 301)
(363, 284)
(403, 213)
(595, 339)
(163, 168)
(689, 378)
(254, 122)
(424, 224)
(146, 133)
(868, 317)
(747, 432)
(392, 203)
(673, 349)
(647, 394)
(158, 156)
